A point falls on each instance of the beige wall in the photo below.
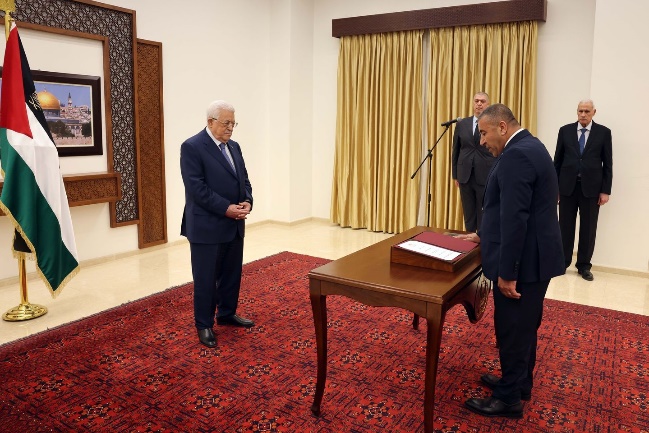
(276, 62)
(618, 86)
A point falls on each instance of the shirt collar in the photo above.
(513, 135)
(590, 125)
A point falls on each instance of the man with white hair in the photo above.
(218, 198)
(584, 163)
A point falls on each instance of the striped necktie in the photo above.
(582, 140)
(226, 156)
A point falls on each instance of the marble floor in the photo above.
(100, 286)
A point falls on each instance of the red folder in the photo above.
(445, 241)
(467, 250)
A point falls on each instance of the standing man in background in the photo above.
(584, 163)
(521, 251)
(218, 198)
(471, 163)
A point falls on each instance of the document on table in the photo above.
(429, 250)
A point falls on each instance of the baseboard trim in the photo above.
(287, 223)
(611, 270)
(90, 262)
(105, 259)
(621, 271)
(98, 260)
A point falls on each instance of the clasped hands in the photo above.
(238, 211)
(507, 287)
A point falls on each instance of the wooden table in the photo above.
(369, 277)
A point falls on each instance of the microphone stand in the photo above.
(429, 157)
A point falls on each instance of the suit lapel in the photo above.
(470, 132)
(238, 163)
(235, 159)
(591, 136)
(476, 134)
(575, 138)
(213, 149)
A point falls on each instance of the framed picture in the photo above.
(72, 107)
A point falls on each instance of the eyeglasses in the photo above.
(227, 124)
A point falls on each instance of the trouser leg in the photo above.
(517, 321)
(568, 206)
(228, 277)
(588, 216)
(204, 265)
(469, 209)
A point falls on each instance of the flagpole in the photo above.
(24, 311)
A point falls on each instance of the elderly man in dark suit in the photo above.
(584, 163)
(471, 163)
(218, 198)
(521, 251)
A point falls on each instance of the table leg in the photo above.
(433, 344)
(319, 306)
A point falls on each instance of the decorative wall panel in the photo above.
(90, 188)
(153, 213)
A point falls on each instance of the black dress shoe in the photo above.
(206, 337)
(494, 407)
(490, 380)
(235, 320)
(586, 274)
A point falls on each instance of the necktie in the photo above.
(226, 156)
(476, 134)
(582, 140)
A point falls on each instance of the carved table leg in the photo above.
(319, 306)
(433, 344)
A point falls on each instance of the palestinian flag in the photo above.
(33, 195)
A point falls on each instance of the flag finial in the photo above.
(8, 6)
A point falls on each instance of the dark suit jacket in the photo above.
(210, 187)
(468, 153)
(520, 237)
(596, 161)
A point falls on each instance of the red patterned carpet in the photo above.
(139, 368)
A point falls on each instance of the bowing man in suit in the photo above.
(471, 163)
(218, 198)
(584, 163)
(521, 251)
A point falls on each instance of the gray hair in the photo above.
(587, 101)
(215, 108)
(485, 94)
(497, 112)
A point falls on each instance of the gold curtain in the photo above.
(379, 126)
(378, 131)
(499, 59)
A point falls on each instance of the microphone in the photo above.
(450, 122)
